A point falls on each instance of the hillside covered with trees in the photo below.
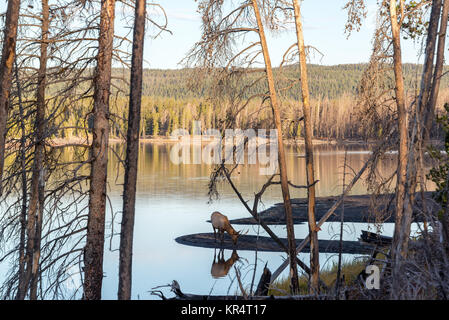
(173, 99)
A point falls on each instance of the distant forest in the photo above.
(324, 81)
(170, 101)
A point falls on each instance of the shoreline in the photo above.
(75, 141)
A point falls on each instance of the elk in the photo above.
(220, 268)
(221, 223)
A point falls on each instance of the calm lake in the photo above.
(172, 201)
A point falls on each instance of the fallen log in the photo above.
(266, 244)
(179, 295)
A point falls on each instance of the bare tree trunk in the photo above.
(308, 134)
(132, 153)
(426, 80)
(35, 209)
(294, 286)
(403, 210)
(23, 212)
(6, 66)
(93, 252)
(38, 179)
(430, 115)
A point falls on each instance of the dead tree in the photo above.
(36, 203)
(6, 67)
(294, 286)
(403, 209)
(438, 72)
(308, 133)
(93, 252)
(132, 152)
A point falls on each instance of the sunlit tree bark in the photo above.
(93, 252)
(36, 203)
(132, 153)
(294, 286)
(6, 67)
(308, 133)
(403, 210)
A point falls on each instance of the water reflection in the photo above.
(220, 267)
(172, 201)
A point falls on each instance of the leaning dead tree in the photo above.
(294, 286)
(285, 7)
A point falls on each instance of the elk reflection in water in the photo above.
(220, 266)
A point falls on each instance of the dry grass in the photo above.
(350, 271)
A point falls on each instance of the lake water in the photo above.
(172, 201)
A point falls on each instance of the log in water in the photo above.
(356, 209)
(253, 243)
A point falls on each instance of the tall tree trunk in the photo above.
(132, 153)
(24, 180)
(403, 212)
(426, 80)
(6, 66)
(35, 209)
(294, 286)
(308, 134)
(430, 115)
(38, 179)
(93, 252)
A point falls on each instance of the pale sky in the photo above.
(323, 21)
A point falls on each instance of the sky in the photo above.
(323, 22)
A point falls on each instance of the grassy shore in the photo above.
(350, 271)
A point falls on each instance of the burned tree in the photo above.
(36, 203)
(132, 153)
(93, 252)
(294, 286)
(6, 68)
(403, 209)
(308, 132)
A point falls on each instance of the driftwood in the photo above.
(357, 209)
(179, 295)
(266, 244)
